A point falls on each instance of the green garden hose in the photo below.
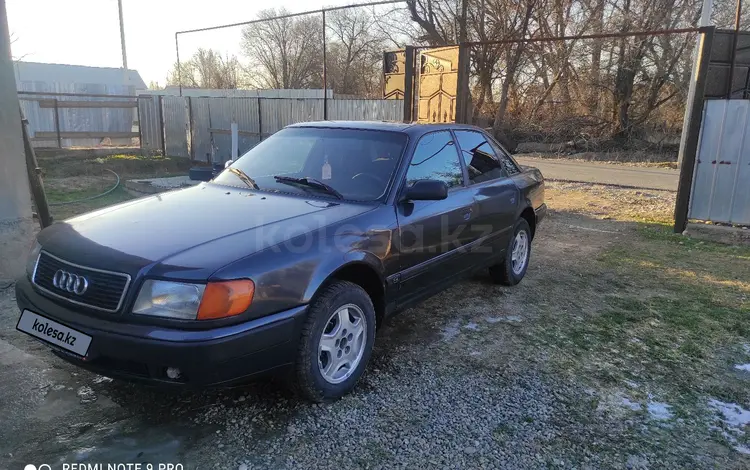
(90, 197)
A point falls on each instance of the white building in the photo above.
(63, 78)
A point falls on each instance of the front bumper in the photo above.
(219, 356)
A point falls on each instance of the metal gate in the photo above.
(721, 183)
(438, 80)
(436, 84)
(394, 69)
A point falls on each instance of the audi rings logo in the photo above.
(72, 283)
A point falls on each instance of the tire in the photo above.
(503, 272)
(322, 375)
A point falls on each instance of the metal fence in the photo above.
(175, 124)
(721, 185)
(78, 115)
(150, 123)
(200, 127)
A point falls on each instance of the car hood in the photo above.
(137, 235)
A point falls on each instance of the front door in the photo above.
(431, 233)
(496, 195)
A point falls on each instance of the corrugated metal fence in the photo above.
(721, 185)
(73, 116)
(199, 127)
(149, 122)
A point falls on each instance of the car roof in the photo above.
(413, 129)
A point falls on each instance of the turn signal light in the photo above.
(226, 299)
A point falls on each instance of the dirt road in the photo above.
(603, 173)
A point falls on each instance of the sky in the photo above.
(86, 32)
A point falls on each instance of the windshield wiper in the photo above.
(243, 176)
(311, 182)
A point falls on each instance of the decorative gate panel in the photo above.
(394, 68)
(438, 81)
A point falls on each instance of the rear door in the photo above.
(530, 183)
(495, 194)
(431, 233)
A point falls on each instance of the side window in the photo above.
(481, 159)
(435, 158)
(509, 166)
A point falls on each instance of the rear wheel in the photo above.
(513, 267)
(336, 343)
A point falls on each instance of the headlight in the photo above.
(169, 299)
(187, 301)
(33, 256)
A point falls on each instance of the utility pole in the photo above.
(122, 37)
(17, 226)
(325, 65)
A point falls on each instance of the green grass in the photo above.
(132, 166)
(66, 211)
(71, 178)
(664, 233)
(676, 324)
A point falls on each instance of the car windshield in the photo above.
(357, 164)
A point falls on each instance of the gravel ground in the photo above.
(471, 379)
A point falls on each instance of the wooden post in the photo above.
(57, 124)
(35, 178)
(689, 142)
(463, 95)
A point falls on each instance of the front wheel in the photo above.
(513, 267)
(336, 342)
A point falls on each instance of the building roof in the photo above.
(76, 74)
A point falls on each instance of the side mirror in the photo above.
(228, 163)
(426, 190)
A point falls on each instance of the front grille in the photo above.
(104, 292)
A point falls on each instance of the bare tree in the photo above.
(564, 88)
(286, 52)
(355, 49)
(724, 13)
(438, 19)
(13, 40)
(207, 69)
(518, 22)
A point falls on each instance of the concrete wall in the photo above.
(16, 224)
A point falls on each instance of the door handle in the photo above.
(467, 214)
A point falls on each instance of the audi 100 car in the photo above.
(288, 261)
